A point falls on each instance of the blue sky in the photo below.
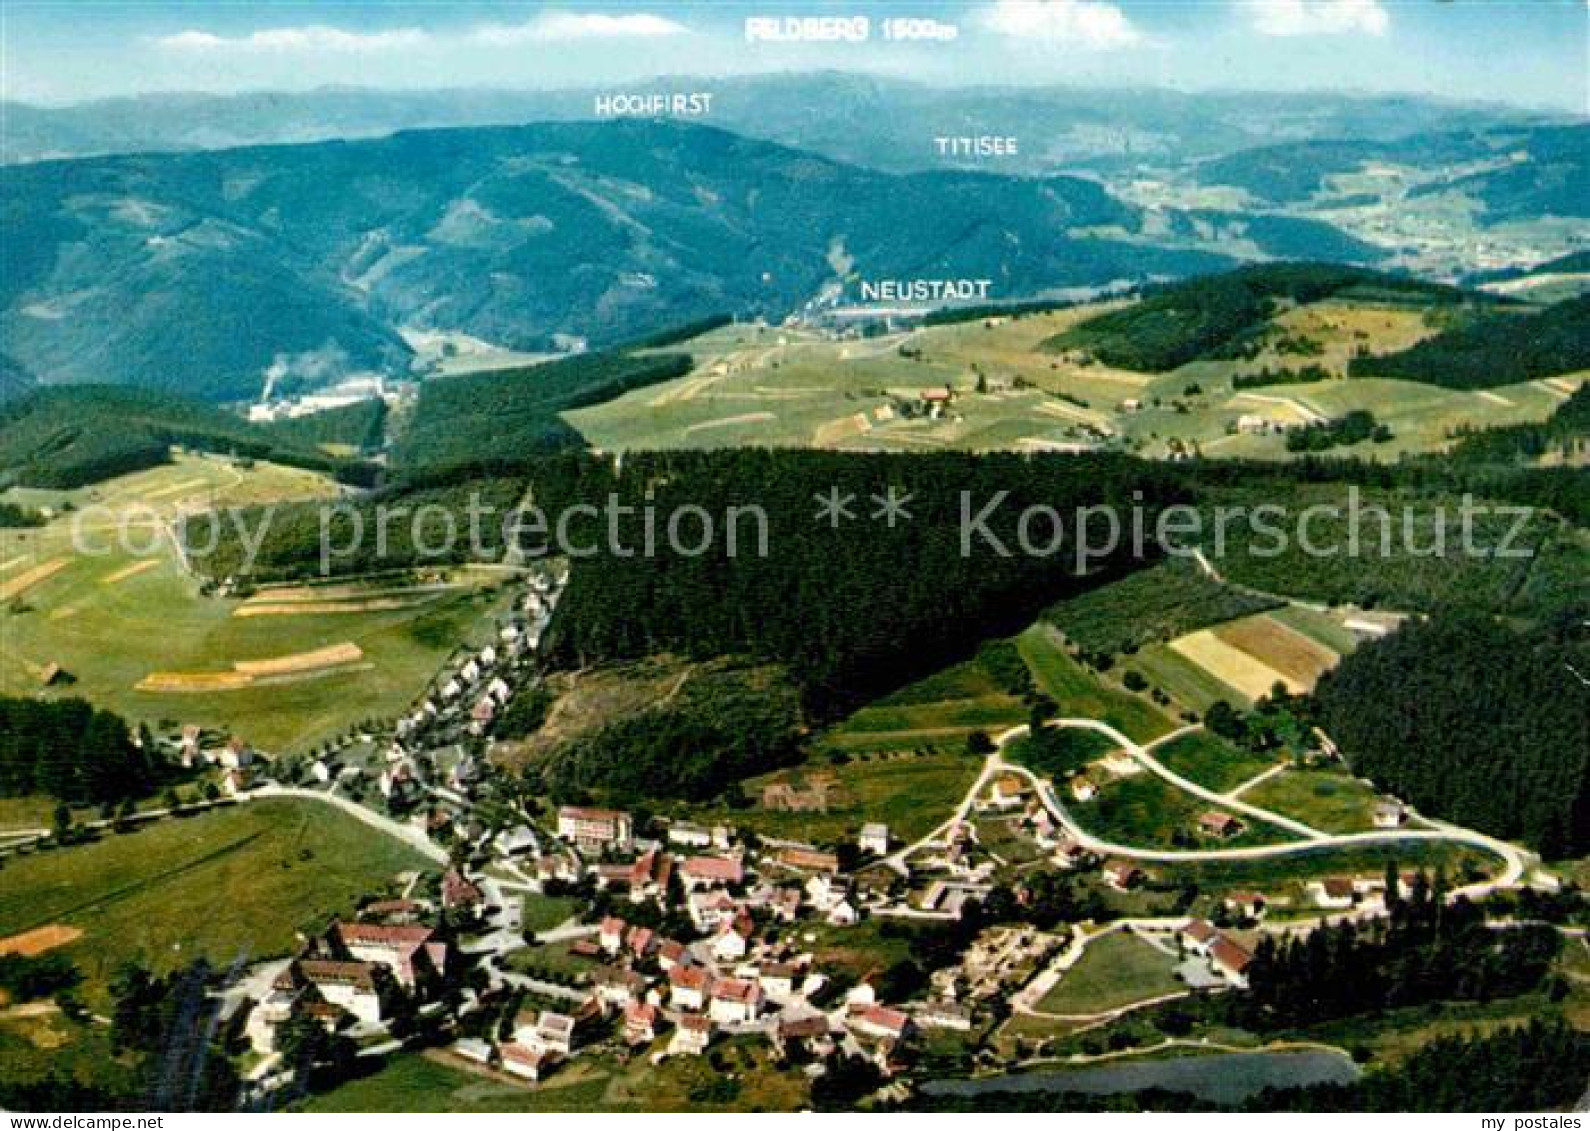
(1531, 52)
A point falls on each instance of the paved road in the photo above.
(1146, 759)
(1516, 862)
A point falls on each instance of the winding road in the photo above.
(1516, 862)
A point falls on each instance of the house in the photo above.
(874, 838)
(1230, 961)
(470, 672)
(734, 938)
(236, 754)
(473, 1048)
(610, 935)
(1247, 904)
(812, 1032)
(688, 986)
(1252, 423)
(1123, 875)
(546, 1031)
(516, 841)
(735, 1001)
(777, 980)
(409, 953)
(691, 1037)
(617, 986)
(459, 893)
(880, 1022)
(499, 690)
(1083, 788)
(354, 986)
(641, 941)
(1198, 935)
(1213, 822)
(691, 836)
(670, 954)
(527, 1062)
(640, 1023)
(399, 911)
(1333, 892)
(234, 783)
(1389, 814)
(709, 910)
(594, 829)
(944, 1015)
(844, 914)
(1008, 792)
(710, 871)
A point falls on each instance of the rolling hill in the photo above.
(205, 271)
(1215, 316)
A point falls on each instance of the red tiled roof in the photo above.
(1229, 955)
(712, 869)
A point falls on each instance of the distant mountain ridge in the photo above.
(202, 272)
(862, 119)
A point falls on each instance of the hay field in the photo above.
(110, 618)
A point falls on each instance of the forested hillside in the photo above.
(1211, 316)
(73, 435)
(1502, 349)
(509, 415)
(1474, 723)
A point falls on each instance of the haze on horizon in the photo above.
(55, 54)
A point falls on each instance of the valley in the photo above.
(1019, 574)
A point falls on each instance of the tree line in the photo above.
(70, 751)
(1474, 722)
(1426, 949)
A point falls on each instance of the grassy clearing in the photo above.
(415, 1082)
(1211, 761)
(1115, 970)
(544, 912)
(910, 792)
(1328, 800)
(112, 620)
(233, 883)
(1146, 811)
(1081, 694)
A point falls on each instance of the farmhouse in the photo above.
(1213, 822)
(1230, 961)
(1389, 814)
(874, 838)
(1198, 935)
(1123, 875)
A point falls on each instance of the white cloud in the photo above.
(1318, 17)
(552, 27)
(1090, 24)
(313, 37)
(560, 26)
